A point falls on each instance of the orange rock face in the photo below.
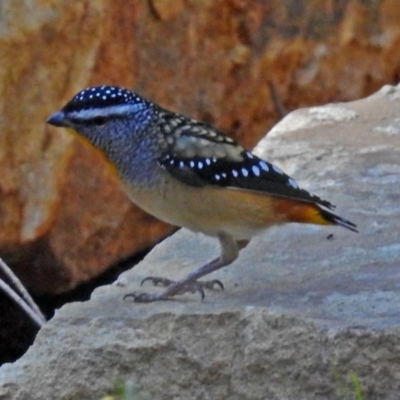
(238, 64)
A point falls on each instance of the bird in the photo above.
(189, 174)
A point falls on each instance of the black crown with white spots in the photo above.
(101, 97)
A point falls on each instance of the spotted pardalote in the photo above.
(190, 174)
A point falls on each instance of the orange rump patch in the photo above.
(296, 211)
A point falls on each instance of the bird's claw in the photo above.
(211, 284)
(144, 297)
(156, 280)
(191, 287)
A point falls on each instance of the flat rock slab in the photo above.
(307, 312)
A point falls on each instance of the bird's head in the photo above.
(109, 117)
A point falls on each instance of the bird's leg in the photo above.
(196, 286)
(229, 253)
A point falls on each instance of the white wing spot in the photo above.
(256, 170)
(250, 155)
(217, 177)
(191, 164)
(293, 183)
(235, 173)
(245, 172)
(181, 164)
(208, 161)
(263, 165)
(277, 169)
(223, 175)
(199, 165)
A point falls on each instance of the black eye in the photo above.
(98, 121)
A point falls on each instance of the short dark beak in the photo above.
(57, 119)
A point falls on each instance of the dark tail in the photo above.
(334, 219)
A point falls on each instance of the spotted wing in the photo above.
(199, 155)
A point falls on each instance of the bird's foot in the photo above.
(146, 297)
(173, 288)
(192, 287)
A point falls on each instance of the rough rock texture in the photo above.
(302, 315)
(62, 213)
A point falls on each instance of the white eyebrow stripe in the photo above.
(90, 113)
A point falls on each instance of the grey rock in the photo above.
(302, 316)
